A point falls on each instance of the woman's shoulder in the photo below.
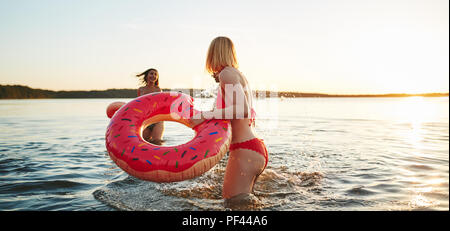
(229, 75)
(140, 90)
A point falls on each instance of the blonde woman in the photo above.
(150, 79)
(248, 155)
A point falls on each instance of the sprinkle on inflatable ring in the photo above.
(147, 161)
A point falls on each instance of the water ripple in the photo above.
(325, 154)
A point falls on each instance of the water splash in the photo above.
(273, 188)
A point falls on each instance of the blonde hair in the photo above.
(221, 53)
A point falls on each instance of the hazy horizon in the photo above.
(325, 47)
(295, 92)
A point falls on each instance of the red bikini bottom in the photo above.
(254, 144)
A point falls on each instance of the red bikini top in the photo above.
(220, 103)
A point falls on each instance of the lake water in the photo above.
(325, 154)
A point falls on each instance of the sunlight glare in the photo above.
(414, 111)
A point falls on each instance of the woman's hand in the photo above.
(196, 120)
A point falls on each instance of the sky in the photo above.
(315, 46)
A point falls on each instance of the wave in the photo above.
(273, 187)
(33, 187)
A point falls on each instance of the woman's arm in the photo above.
(236, 106)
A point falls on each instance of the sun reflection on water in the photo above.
(420, 202)
(415, 112)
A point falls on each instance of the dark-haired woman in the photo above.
(150, 79)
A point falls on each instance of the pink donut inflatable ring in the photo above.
(147, 161)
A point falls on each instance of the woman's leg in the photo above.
(147, 134)
(157, 132)
(242, 168)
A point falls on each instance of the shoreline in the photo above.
(25, 92)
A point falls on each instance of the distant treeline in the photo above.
(25, 92)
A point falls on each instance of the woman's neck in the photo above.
(221, 69)
(216, 74)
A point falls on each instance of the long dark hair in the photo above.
(145, 73)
